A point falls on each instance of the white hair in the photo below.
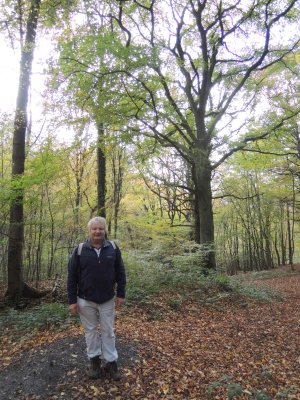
(97, 220)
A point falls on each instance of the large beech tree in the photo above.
(190, 75)
(193, 71)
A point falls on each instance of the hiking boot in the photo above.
(94, 370)
(112, 369)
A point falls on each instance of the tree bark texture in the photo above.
(16, 230)
(117, 172)
(204, 225)
(101, 172)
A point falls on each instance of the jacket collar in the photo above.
(104, 244)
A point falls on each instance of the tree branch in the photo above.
(254, 139)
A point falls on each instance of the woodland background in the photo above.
(178, 121)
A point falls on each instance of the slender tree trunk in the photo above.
(118, 175)
(16, 285)
(101, 171)
(282, 235)
(289, 236)
(276, 249)
(51, 236)
(261, 223)
(292, 226)
(78, 187)
(2, 160)
(268, 239)
(39, 238)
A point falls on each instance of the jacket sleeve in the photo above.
(73, 275)
(120, 274)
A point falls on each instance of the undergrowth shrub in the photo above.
(222, 282)
(144, 278)
(39, 317)
(257, 293)
(156, 271)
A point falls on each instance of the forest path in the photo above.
(171, 350)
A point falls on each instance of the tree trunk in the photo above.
(204, 208)
(101, 171)
(196, 234)
(289, 237)
(118, 174)
(276, 248)
(282, 235)
(16, 286)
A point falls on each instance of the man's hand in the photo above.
(119, 302)
(73, 308)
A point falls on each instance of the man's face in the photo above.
(97, 232)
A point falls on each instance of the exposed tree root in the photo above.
(32, 293)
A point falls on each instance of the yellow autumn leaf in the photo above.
(95, 390)
(165, 388)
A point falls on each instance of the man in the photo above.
(94, 276)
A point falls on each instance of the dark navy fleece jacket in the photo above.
(96, 278)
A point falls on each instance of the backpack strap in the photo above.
(113, 243)
(79, 248)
